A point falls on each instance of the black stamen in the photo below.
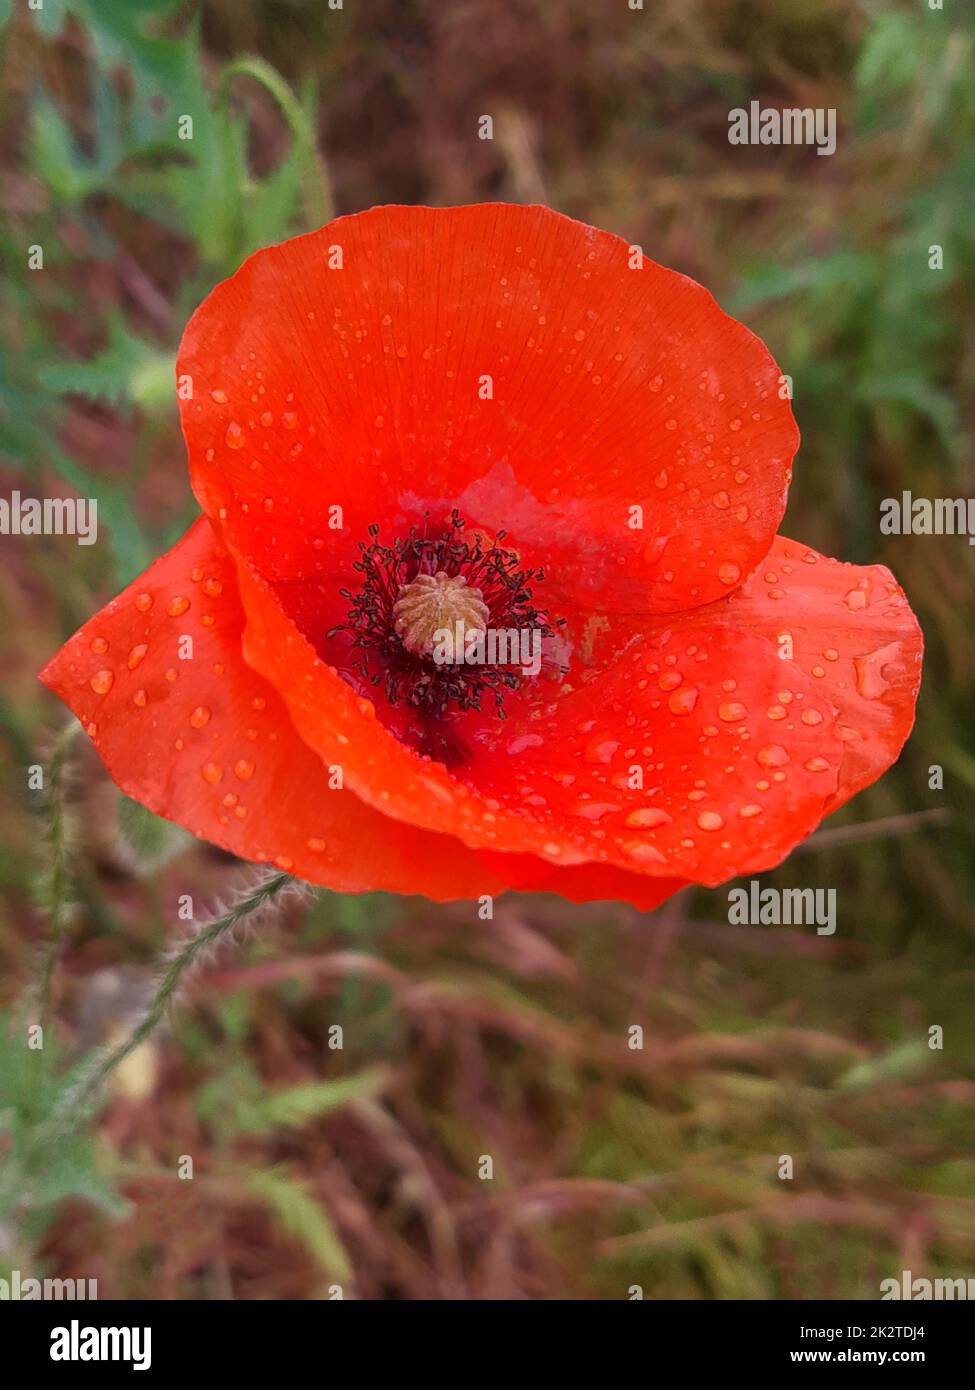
(380, 656)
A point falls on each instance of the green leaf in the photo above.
(298, 1105)
(151, 839)
(904, 1060)
(301, 1216)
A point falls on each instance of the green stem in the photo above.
(59, 872)
(80, 1102)
(39, 1004)
(316, 187)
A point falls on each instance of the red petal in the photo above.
(182, 747)
(852, 630)
(612, 388)
(739, 754)
(207, 742)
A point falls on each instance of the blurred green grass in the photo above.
(612, 1168)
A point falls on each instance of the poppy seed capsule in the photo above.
(434, 602)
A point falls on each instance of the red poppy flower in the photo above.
(498, 416)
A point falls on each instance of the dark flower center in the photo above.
(440, 620)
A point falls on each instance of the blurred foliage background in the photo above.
(614, 1167)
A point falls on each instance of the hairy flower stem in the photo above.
(39, 1003)
(58, 876)
(79, 1102)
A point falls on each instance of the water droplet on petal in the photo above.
(683, 701)
(871, 681)
(102, 681)
(200, 717)
(643, 853)
(601, 750)
(523, 741)
(647, 817)
(774, 755)
(177, 606)
(594, 810)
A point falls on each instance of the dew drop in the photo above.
(871, 682)
(648, 817)
(773, 755)
(601, 750)
(643, 853)
(683, 701)
(523, 741)
(594, 810)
